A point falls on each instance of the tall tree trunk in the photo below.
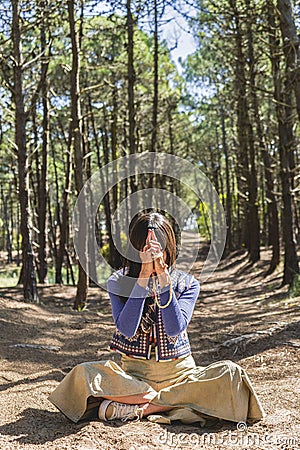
(43, 187)
(28, 278)
(51, 235)
(154, 179)
(270, 196)
(130, 90)
(100, 165)
(18, 239)
(218, 169)
(7, 230)
(63, 221)
(76, 133)
(291, 46)
(91, 231)
(253, 203)
(107, 197)
(214, 166)
(229, 243)
(12, 220)
(175, 184)
(155, 82)
(282, 97)
(243, 174)
(117, 261)
(251, 232)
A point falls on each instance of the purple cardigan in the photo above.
(176, 316)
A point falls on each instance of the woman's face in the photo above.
(155, 227)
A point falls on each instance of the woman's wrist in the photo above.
(143, 278)
(164, 278)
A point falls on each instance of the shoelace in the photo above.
(126, 411)
(136, 415)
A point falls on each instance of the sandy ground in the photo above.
(235, 301)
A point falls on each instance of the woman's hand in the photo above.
(147, 265)
(159, 264)
(152, 259)
(147, 262)
(160, 267)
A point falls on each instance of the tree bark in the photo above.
(43, 185)
(117, 260)
(130, 90)
(254, 238)
(107, 197)
(155, 82)
(229, 242)
(28, 278)
(76, 136)
(291, 46)
(63, 221)
(100, 165)
(283, 99)
(243, 173)
(7, 230)
(154, 179)
(270, 196)
(91, 230)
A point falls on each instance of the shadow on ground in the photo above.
(51, 426)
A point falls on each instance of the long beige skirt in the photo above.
(221, 390)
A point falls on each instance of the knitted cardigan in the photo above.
(167, 336)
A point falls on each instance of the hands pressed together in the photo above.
(152, 257)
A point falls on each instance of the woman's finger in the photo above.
(146, 257)
(153, 236)
(155, 245)
(148, 238)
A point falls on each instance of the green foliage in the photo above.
(81, 308)
(105, 251)
(203, 222)
(9, 275)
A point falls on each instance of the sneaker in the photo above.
(121, 411)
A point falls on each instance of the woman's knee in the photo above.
(231, 366)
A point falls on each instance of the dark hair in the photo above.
(138, 231)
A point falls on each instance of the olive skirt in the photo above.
(220, 390)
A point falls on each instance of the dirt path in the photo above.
(237, 300)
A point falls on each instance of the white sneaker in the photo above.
(121, 411)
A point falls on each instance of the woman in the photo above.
(152, 304)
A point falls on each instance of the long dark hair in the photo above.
(138, 231)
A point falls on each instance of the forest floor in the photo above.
(238, 299)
